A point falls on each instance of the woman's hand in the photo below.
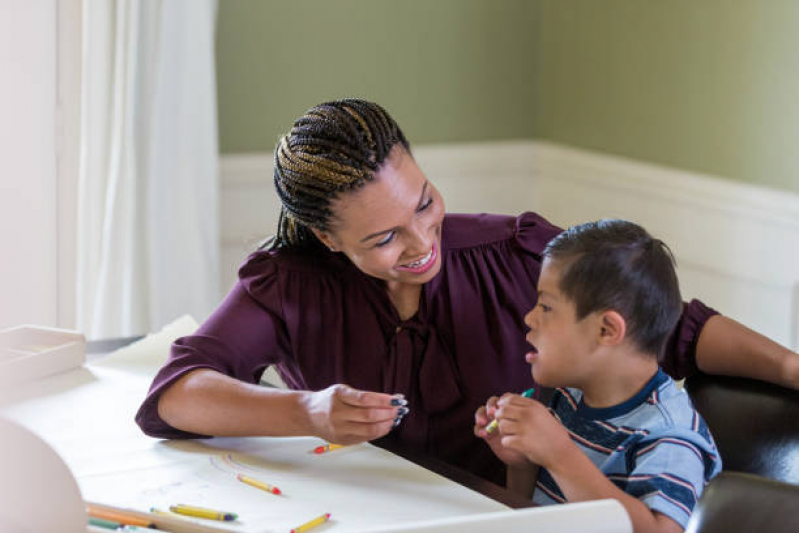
(527, 428)
(343, 415)
(482, 418)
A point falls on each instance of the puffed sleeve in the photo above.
(679, 358)
(244, 336)
(533, 232)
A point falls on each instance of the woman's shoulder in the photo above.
(272, 267)
(530, 230)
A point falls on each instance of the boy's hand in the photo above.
(482, 417)
(528, 428)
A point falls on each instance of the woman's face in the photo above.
(391, 227)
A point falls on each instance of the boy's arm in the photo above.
(580, 480)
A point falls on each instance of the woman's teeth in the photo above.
(421, 262)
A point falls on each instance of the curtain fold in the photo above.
(148, 238)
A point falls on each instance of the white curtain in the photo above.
(148, 246)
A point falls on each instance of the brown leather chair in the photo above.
(734, 502)
(755, 424)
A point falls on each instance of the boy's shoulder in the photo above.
(662, 407)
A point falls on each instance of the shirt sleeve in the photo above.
(240, 339)
(670, 472)
(679, 357)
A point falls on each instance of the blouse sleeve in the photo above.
(244, 336)
(533, 233)
(679, 358)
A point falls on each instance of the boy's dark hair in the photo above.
(616, 265)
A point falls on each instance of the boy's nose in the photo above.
(530, 319)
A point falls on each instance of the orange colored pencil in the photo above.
(327, 448)
(117, 516)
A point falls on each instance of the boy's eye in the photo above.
(387, 239)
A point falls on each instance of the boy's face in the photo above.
(561, 343)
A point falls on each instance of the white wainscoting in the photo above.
(737, 246)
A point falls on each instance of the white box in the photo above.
(29, 353)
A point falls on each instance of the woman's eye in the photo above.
(427, 204)
(545, 308)
(387, 239)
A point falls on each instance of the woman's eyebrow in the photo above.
(383, 232)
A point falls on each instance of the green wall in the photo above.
(447, 70)
(709, 85)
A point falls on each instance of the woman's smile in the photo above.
(422, 265)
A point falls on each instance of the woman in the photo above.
(367, 283)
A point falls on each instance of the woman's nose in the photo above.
(419, 240)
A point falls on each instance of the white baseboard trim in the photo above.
(737, 245)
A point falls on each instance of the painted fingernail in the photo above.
(402, 411)
(398, 401)
(397, 421)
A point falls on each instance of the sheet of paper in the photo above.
(602, 516)
(146, 355)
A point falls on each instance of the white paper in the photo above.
(150, 353)
(601, 516)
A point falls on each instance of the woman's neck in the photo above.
(405, 297)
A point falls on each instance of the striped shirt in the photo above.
(654, 446)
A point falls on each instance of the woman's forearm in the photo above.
(521, 480)
(207, 402)
(727, 347)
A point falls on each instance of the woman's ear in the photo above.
(613, 328)
(325, 239)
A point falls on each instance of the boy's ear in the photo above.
(613, 328)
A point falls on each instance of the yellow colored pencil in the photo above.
(312, 523)
(202, 512)
(494, 424)
(257, 483)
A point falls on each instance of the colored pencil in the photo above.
(312, 523)
(257, 483)
(327, 448)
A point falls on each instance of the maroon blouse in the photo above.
(322, 321)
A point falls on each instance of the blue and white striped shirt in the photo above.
(654, 446)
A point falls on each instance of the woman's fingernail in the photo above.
(398, 401)
(397, 421)
(402, 411)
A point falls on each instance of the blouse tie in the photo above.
(421, 367)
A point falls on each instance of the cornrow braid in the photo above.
(334, 147)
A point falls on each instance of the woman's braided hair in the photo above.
(334, 147)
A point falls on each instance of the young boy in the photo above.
(608, 298)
